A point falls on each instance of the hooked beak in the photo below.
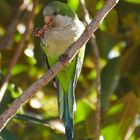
(48, 21)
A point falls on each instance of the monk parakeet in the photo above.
(62, 28)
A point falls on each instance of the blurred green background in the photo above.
(118, 40)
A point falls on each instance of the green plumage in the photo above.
(62, 9)
(67, 28)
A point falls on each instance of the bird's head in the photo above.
(56, 14)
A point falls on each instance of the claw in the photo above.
(64, 58)
(39, 32)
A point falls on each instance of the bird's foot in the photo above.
(64, 58)
(40, 32)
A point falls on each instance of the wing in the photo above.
(47, 62)
(78, 66)
(68, 79)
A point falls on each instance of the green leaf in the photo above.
(99, 4)
(109, 80)
(133, 1)
(110, 24)
(84, 120)
(12, 92)
(73, 4)
(83, 108)
(105, 43)
(18, 68)
(31, 119)
(120, 118)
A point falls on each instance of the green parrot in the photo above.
(62, 28)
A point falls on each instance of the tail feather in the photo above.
(66, 109)
(68, 121)
(69, 134)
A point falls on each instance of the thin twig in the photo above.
(17, 54)
(51, 73)
(98, 77)
(8, 38)
(98, 89)
(85, 11)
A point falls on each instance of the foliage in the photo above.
(118, 40)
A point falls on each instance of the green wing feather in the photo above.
(66, 97)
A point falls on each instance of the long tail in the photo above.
(66, 110)
(68, 120)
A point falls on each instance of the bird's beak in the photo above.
(48, 21)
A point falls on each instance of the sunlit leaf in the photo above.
(31, 60)
(84, 120)
(12, 92)
(99, 4)
(18, 68)
(120, 118)
(132, 137)
(133, 1)
(115, 109)
(17, 37)
(73, 4)
(103, 26)
(110, 24)
(92, 75)
(83, 109)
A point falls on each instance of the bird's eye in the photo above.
(55, 13)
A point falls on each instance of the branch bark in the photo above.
(98, 77)
(98, 89)
(51, 73)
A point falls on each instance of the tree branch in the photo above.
(51, 73)
(98, 77)
(85, 11)
(98, 89)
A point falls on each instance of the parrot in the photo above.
(62, 28)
